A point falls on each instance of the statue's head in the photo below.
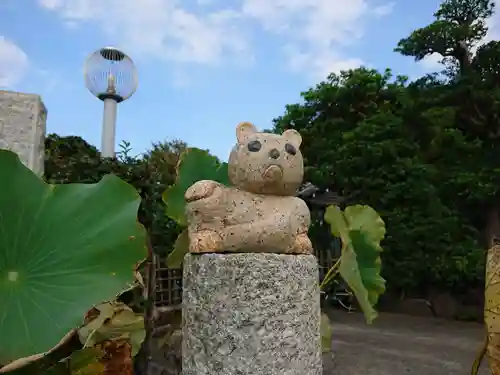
(266, 163)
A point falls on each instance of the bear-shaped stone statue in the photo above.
(259, 212)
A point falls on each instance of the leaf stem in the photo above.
(477, 362)
(332, 272)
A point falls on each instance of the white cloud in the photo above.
(319, 66)
(316, 30)
(50, 4)
(493, 24)
(431, 63)
(159, 28)
(384, 9)
(319, 21)
(17, 72)
(14, 63)
(313, 31)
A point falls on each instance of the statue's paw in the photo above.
(206, 241)
(302, 245)
(200, 190)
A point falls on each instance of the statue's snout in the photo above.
(274, 154)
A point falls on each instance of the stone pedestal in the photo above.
(22, 127)
(251, 314)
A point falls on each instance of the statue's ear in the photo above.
(292, 136)
(244, 130)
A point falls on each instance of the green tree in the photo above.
(160, 161)
(458, 28)
(372, 136)
(466, 115)
(332, 108)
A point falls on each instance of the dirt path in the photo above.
(400, 345)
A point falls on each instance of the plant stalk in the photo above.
(332, 272)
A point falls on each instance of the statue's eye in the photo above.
(290, 149)
(254, 146)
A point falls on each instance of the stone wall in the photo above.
(23, 126)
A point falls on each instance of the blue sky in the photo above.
(203, 65)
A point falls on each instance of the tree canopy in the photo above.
(425, 154)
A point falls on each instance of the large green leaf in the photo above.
(63, 249)
(194, 165)
(361, 229)
(181, 248)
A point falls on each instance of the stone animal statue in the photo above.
(259, 212)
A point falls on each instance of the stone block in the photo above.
(23, 126)
(248, 314)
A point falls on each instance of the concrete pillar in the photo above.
(249, 314)
(23, 126)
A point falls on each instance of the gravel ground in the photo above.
(400, 345)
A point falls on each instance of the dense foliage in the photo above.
(424, 154)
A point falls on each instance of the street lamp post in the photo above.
(111, 76)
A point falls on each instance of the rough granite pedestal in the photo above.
(251, 314)
(22, 127)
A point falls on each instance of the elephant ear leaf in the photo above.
(194, 165)
(63, 248)
(361, 230)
